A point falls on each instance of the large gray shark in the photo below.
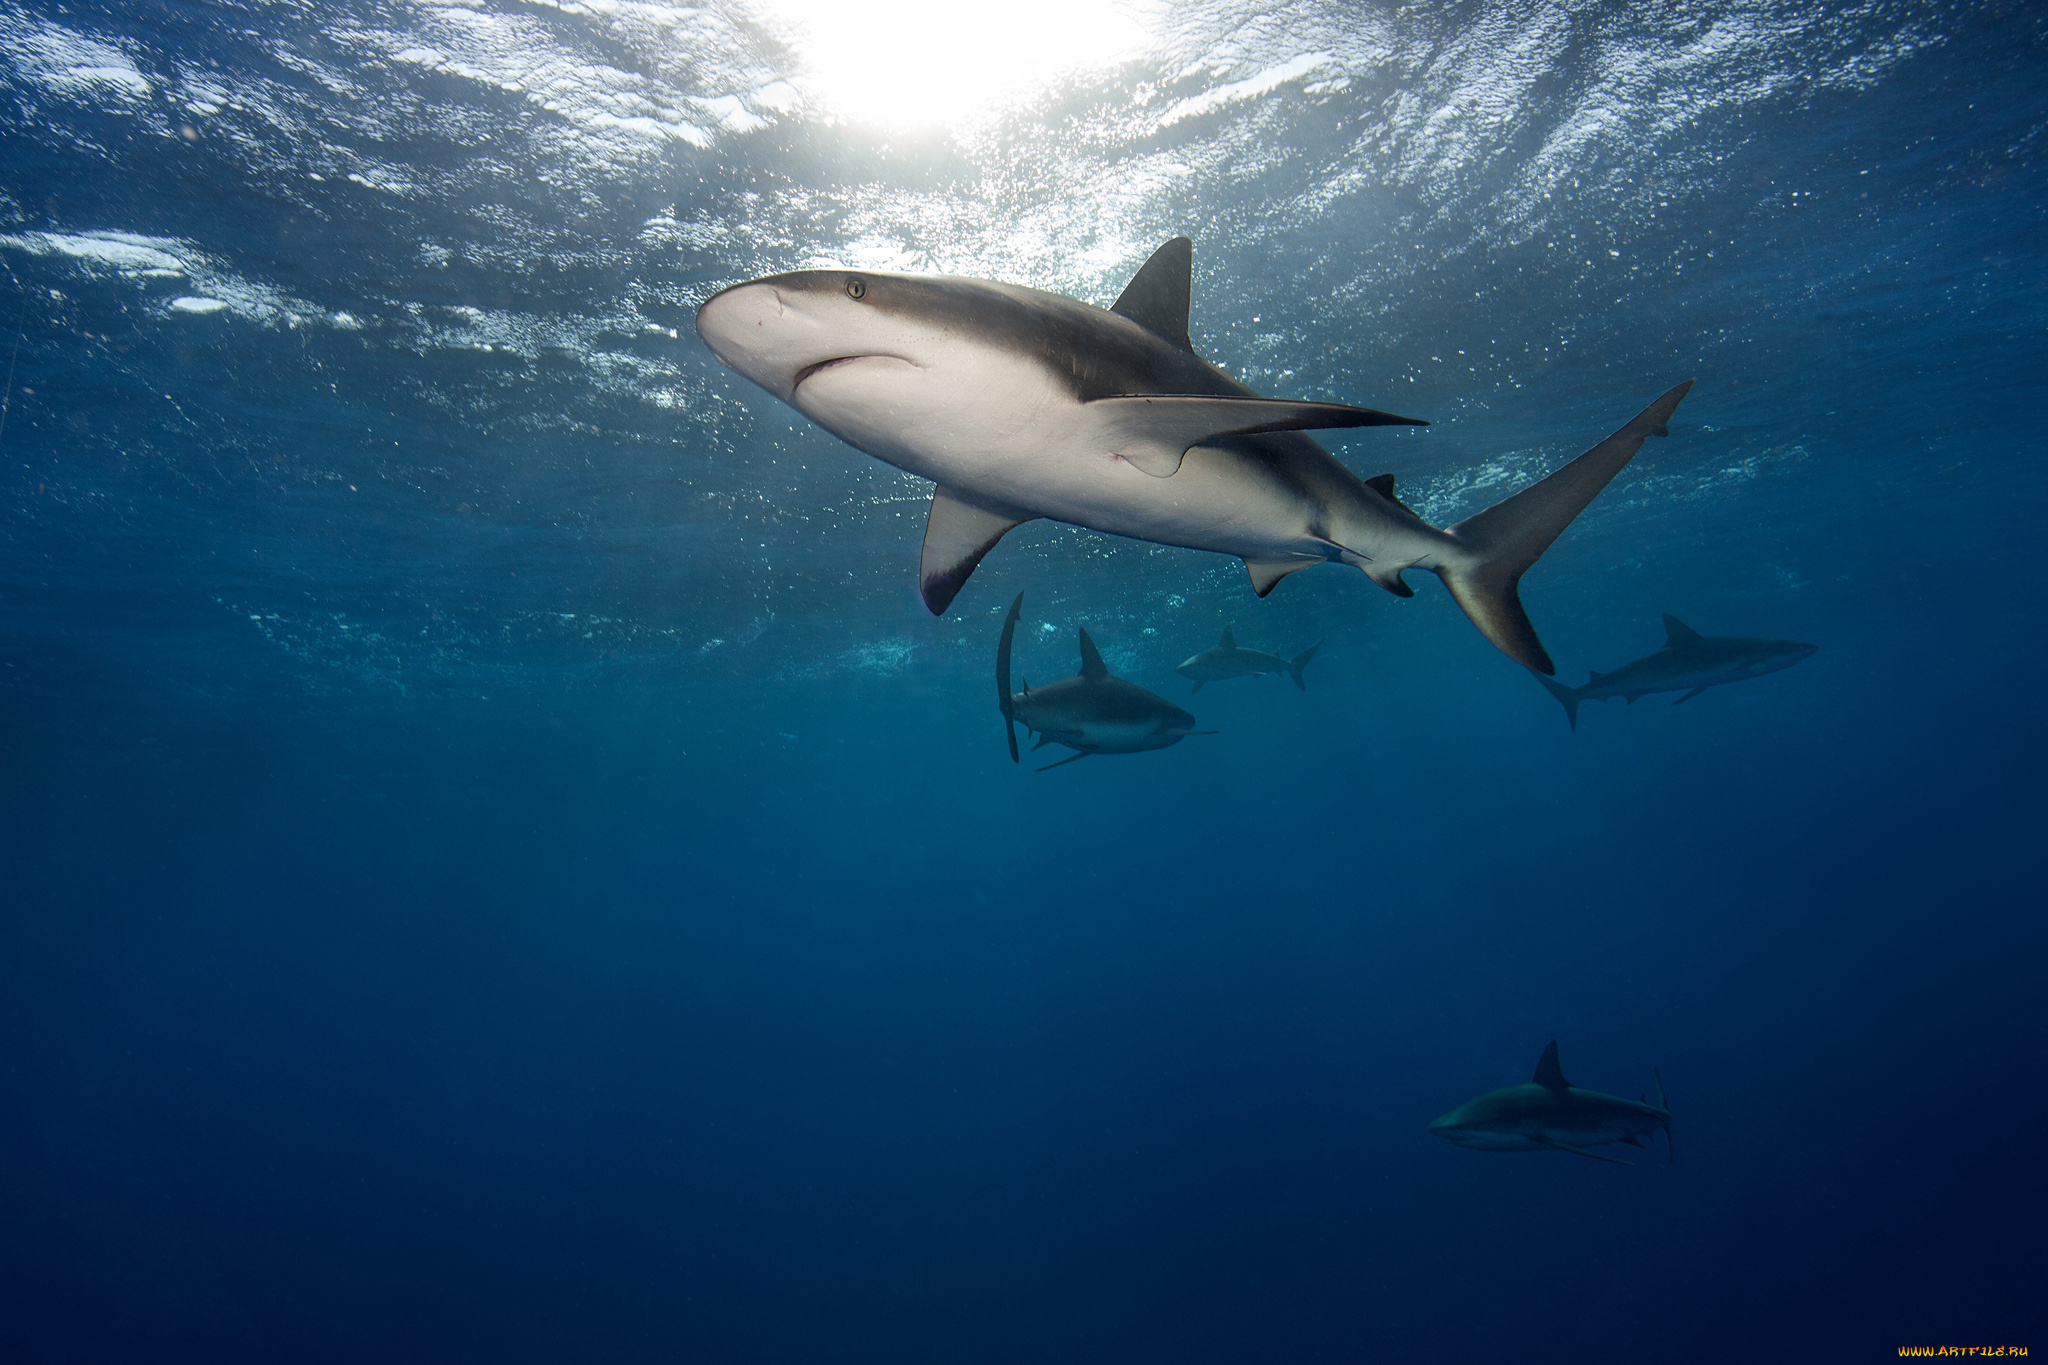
(1021, 404)
(1092, 712)
(1550, 1114)
(1689, 662)
(1225, 660)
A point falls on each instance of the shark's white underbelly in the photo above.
(1117, 738)
(1009, 435)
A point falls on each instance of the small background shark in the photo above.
(1226, 660)
(1689, 662)
(1550, 1114)
(1092, 711)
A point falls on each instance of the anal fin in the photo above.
(1388, 576)
(1385, 572)
(958, 531)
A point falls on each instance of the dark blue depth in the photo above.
(502, 868)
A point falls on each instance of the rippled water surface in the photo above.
(502, 865)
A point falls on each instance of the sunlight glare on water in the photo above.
(931, 64)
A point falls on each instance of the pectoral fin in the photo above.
(958, 531)
(1690, 695)
(1154, 432)
(1578, 1151)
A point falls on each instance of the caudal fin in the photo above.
(1299, 662)
(1508, 537)
(1568, 697)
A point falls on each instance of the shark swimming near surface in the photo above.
(1092, 711)
(1689, 662)
(1021, 404)
(1550, 1114)
(1225, 660)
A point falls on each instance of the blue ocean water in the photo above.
(500, 864)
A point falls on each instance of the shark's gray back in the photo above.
(1249, 660)
(1074, 702)
(1668, 668)
(1097, 353)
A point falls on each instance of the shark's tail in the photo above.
(1567, 696)
(1299, 662)
(1003, 673)
(1504, 540)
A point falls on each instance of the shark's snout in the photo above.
(748, 327)
(783, 330)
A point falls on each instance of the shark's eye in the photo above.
(856, 289)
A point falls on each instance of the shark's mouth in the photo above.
(834, 363)
(807, 371)
(812, 371)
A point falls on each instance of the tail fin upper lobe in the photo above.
(1299, 662)
(1511, 535)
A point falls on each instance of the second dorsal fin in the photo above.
(1158, 296)
(1548, 1073)
(1383, 484)
(1092, 666)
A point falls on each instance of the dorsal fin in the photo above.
(1158, 295)
(1548, 1073)
(1383, 484)
(1092, 666)
(1677, 632)
(1593, 678)
(1229, 640)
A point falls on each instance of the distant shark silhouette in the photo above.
(1550, 1114)
(1689, 662)
(1092, 712)
(1021, 404)
(1225, 660)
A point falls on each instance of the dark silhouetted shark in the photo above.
(1021, 404)
(1550, 1114)
(1689, 662)
(1092, 711)
(1225, 660)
